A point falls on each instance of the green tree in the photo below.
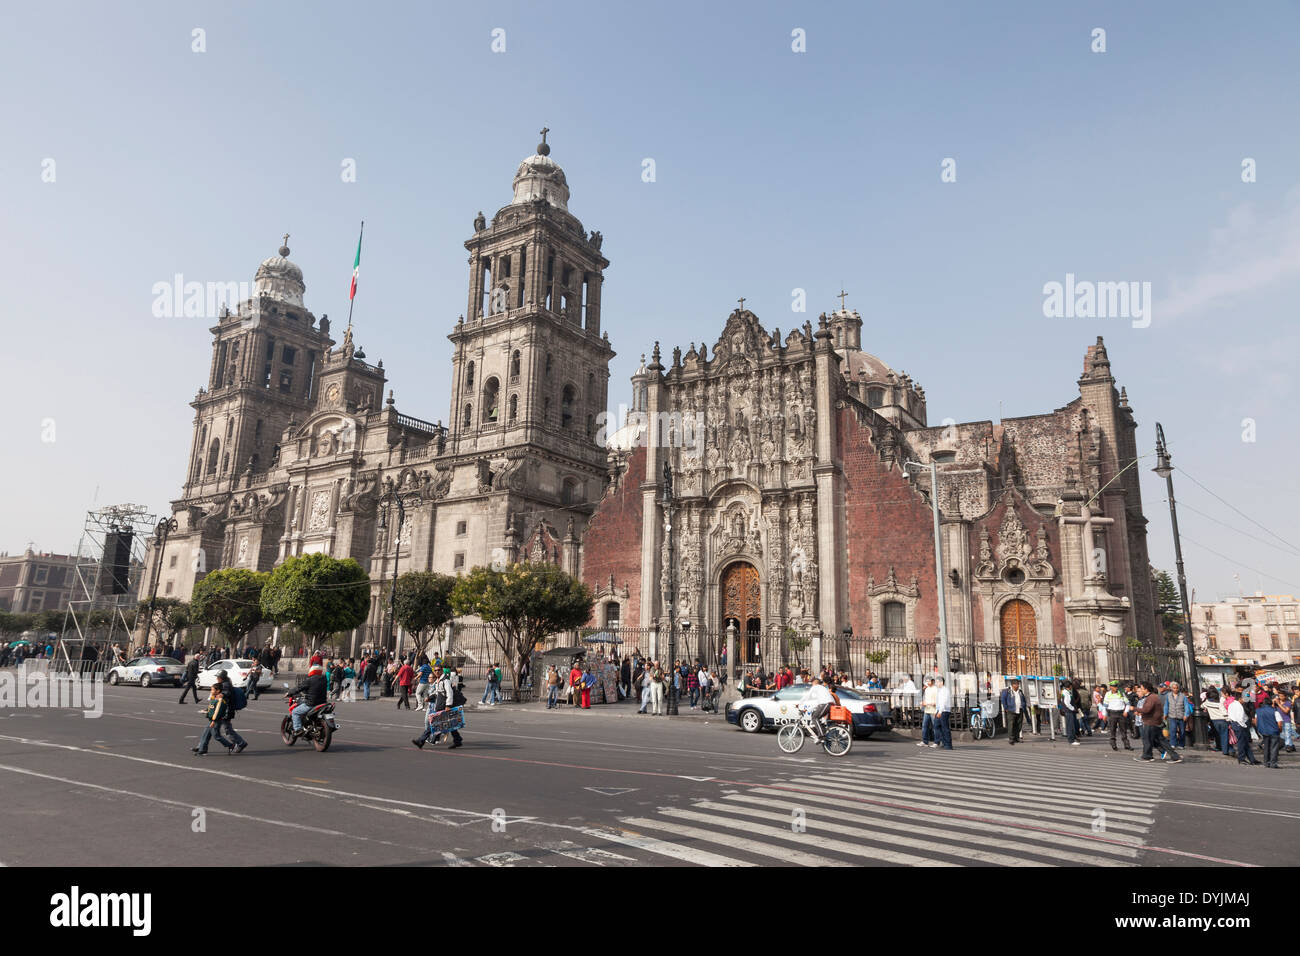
(523, 604)
(49, 622)
(169, 616)
(228, 599)
(422, 604)
(1169, 608)
(320, 594)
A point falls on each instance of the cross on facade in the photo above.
(1094, 558)
(842, 296)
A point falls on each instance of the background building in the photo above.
(1258, 629)
(35, 581)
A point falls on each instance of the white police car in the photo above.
(147, 671)
(752, 714)
(237, 670)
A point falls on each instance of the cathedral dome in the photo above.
(864, 367)
(540, 177)
(278, 278)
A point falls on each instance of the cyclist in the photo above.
(817, 702)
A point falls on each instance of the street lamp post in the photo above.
(938, 557)
(165, 527)
(672, 574)
(1165, 470)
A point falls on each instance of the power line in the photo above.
(1267, 544)
(1238, 510)
(1234, 561)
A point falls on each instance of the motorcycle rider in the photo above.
(312, 690)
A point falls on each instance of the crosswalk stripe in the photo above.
(732, 842)
(1040, 768)
(785, 833)
(995, 813)
(675, 850)
(1116, 805)
(1023, 847)
(866, 833)
(948, 797)
(1140, 792)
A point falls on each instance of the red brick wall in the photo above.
(612, 541)
(888, 523)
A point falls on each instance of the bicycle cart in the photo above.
(836, 738)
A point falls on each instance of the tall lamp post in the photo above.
(936, 457)
(672, 575)
(165, 527)
(1165, 470)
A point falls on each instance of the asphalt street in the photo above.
(604, 787)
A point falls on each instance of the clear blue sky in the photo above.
(775, 171)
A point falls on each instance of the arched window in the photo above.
(514, 408)
(895, 617)
(546, 412)
(214, 456)
(875, 397)
(591, 386)
(514, 365)
(613, 614)
(469, 415)
(569, 493)
(567, 400)
(491, 390)
(469, 375)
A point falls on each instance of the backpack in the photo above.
(457, 696)
(239, 698)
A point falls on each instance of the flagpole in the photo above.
(353, 297)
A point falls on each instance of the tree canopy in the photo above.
(1169, 608)
(523, 604)
(228, 599)
(322, 595)
(422, 603)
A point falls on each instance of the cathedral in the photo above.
(799, 465)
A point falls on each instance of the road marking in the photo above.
(611, 791)
(310, 780)
(735, 843)
(696, 779)
(806, 837)
(590, 855)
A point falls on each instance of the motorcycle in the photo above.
(318, 725)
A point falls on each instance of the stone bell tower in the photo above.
(531, 366)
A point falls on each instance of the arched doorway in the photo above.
(1019, 638)
(742, 606)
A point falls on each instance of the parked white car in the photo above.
(237, 670)
(753, 714)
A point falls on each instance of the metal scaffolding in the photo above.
(97, 616)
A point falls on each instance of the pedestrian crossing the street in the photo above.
(981, 807)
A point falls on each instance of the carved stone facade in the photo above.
(787, 456)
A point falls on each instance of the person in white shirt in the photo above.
(817, 702)
(942, 708)
(706, 688)
(929, 698)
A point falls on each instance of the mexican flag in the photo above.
(356, 265)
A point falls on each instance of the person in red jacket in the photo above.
(405, 675)
(575, 685)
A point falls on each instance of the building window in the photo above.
(37, 601)
(569, 493)
(1270, 615)
(1274, 642)
(613, 614)
(460, 529)
(1241, 617)
(514, 366)
(895, 619)
(1245, 642)
(1293, 641)
(1212, 641)
(469, 375)
(566, 406)
(1288, 615)
(169, 587)
(42, 575)
(288, 355)
(458, 561)
(469, 415)
(172, 563)
(875, 397)
(514, 408)
(491, 390)
(1209, 615)
(286, 382)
